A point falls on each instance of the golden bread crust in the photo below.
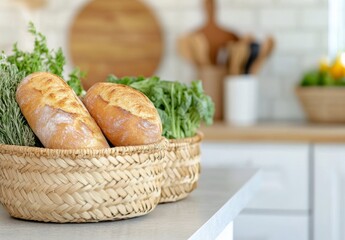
(56, 114)
(125, 115)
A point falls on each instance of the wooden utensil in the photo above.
(184, 48)
(194, 48)
(200, 49)
(265, 51)
(119, 37)
(238, 56)
(216, 36)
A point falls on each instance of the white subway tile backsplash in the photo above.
(195, 4)
(168, 67)
(288, 83)
(278, 18)
(237, 18)
(65, 19)
(297, 3)
(169, 19)
(311, 61)
(314, 18)
(282, 65)
(185, 71)
(287, 108)
(190, 20)
(246, 3)
(61, 6)
(324, 2)
(170, 47)
(10, 18)
(269, 86)
(324, 41)
(293, 42)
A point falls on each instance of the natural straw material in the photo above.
(323, 104)
(80, 185)
(182, 168)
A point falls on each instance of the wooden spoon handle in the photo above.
(265, 51)
(184, 49)
(201, 49)
(239, 53)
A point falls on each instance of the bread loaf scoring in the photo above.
(125, 115)
(56, 115)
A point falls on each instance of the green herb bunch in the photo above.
(182, 108)
(14, 129)
(42, 59)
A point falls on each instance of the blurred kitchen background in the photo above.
(300, 28)
(302, 195)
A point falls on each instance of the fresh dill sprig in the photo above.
(42, 59)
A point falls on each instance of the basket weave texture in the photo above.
(182, 169)
(80, 185)
(323, 104)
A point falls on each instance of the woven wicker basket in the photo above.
(323, 104)
(80, 185)
(182, 168)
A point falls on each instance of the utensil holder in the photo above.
(241, 100)
(212, 78)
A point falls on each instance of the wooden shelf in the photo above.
(276, 131)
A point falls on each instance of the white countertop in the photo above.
(219, 198)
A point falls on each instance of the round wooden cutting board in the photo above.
(120, 37)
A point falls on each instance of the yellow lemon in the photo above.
(337, 70)
(324, 65)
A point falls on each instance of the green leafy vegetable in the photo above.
(320, 78)
(42, 59)
(182, 108)
(14, 129)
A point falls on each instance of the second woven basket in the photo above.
(182, 169)
(323, 104)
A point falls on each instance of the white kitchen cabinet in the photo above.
(285, 171)
(280, 210)
(329, 192)
(271, 227)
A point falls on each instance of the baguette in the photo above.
(125, 115)
(56, 115)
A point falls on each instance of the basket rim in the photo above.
(195, 139)
(80, 153)
(319, 88)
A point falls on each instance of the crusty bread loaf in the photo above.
(56, 115)
(125, 115)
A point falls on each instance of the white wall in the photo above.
(300, 27)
